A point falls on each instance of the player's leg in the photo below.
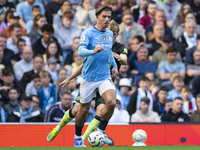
(79, 123)
(95, 122)
(68, 116)
(87, 92)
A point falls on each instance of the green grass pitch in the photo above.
(106, 148)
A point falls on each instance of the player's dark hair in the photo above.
(101, 9)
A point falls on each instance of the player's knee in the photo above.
(85, 110)
(111, 104)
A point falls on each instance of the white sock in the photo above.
(76, 136)
(100, 130)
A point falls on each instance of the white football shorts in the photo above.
(88, 89)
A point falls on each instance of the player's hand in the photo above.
(114, 72)
(117, 56)
(97, 49)
(64, 83)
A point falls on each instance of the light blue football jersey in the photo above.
(96, 67)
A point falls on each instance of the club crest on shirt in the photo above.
(104, 37)
(83, 37)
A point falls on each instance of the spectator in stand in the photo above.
(69, 57)
(160, 55)
(189, 38)
(3, 59)
(124, 88)
(171, 9)
(150, 75)
(51, 9)
(24, 9)
(34, 85)
(35, 101)
(154, 87)
(129, 29)
(165, 68)
(72, 88)
(53, 51)
(176, 114)
(1, 69)
(48, 93)
(134, 44)
(21, 43)
(67, 32)
(78, 60)
(189, 53)
(120, 115)
(139, 11)
(52, 68)
(25, 112)
(155, 43)
(123, 73)
(7, 53)
(189, 104)
(57, 19)
(189, 16)
(8, 83)
(12, 19)
(40, 46)
(142, 91)
(4, 7)
(144, 114)
(159, 17)
(168, 105)
(178, 83)
(193, 70)
(57, 111)
(85, 15)
(180, 19)
(2, 111)
(148, 18)
(16, 34)
(141, 65)
(195, 5)
(195, 117)
(36, 31)
(13, 102)
(62, 75)
(35, 11)
(38, 64)
(159, 103)
(25, 64)
(116, 14)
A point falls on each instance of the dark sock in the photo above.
(97, 117)
(78, 130)
(70, 113)
(103, 124)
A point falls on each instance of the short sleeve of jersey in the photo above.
(84, 41)
(122, 49)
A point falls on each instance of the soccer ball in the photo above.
(96, 138)
(139, 136)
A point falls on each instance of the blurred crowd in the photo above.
(39, 42)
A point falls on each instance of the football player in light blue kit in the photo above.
(95, 47)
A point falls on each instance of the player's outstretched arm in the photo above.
(74, 75)
(83, 51)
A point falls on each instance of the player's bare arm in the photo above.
(74, 75)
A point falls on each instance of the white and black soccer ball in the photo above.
(139, 136)
(96, 138)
